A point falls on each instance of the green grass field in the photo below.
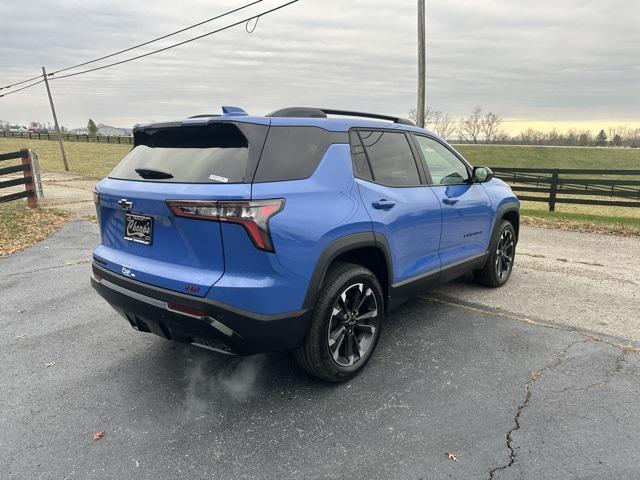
(96, 161)
(551, 157)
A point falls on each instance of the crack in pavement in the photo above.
(498, 312)
(621, 358)
(535, 376)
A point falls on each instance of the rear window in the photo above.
(293, 153)
(214, 153)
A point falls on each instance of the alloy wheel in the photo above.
(353, 324)
(505, 251)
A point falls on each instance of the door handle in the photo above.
(450, 201)
(383, 204)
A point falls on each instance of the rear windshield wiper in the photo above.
(153, 174)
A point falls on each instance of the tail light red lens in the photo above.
(252, 215)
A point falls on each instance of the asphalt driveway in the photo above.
(505, 396)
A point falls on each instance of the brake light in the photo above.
(252, 215)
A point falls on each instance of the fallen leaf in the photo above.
(98, 435)
(50, 364)
(452, 456)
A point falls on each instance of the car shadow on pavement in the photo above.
(209, 384)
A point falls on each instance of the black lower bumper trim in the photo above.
(224, 328)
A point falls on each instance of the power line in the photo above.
(23, 88)
(208, 20)
(177, 44)
(158, 38)
(21, 82)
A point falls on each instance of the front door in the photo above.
(466, 208)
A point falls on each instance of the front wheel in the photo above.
(345, 325)
(502, 252)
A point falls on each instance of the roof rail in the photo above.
(203, 115)
(307, 112)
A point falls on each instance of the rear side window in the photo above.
(360, 164)
(390, 157)
(213, 153)
(293, 153)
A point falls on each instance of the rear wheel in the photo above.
(502, 252)
(345, 325)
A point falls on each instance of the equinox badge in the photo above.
(126, 271)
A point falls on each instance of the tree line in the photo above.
(485, 127)
(39, 127)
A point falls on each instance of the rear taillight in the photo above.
(252, 215)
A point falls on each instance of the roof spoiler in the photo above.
(310, 112)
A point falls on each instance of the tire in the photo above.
(337, 325)
(502, 251)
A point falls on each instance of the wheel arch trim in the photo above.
(339, 247)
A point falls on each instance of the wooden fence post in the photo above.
(32, 199)
(554, 190)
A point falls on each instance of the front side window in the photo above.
(444, 166)
(390, 157)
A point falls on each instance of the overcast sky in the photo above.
(548, 60)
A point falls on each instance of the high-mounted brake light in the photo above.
(252, 215)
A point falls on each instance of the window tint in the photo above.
(215, 153)
(390, 157)
(293, 153)
(360, 164)
(444, 166)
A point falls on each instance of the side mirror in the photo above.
(482, 174)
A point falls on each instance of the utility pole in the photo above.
(55, 120)
(421, 64)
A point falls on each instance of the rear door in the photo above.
(141, 238)
(466, 207)
(401, 207)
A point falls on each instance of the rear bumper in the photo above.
(218, 326)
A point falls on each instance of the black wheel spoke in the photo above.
(335, 335)
(366, 327)
(336, 352)
(348, 351)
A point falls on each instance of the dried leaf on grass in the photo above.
(581, 226)
(98, 435)
(21, 227)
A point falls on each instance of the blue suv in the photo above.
(293, 231)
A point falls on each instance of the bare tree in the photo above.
(470, 128)
(490, 126)
(445, 126)
(438, 122)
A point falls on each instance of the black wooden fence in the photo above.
(70, 137)
(572, 185)
(31, 177)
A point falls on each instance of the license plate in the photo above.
(138, 228)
